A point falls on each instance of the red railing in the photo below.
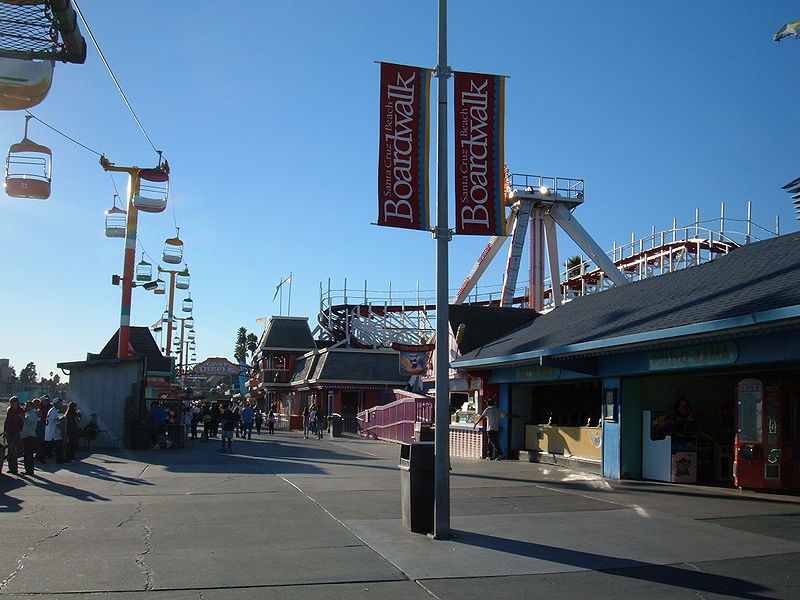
(395, 421)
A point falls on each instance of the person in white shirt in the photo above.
(492, 415)
(52, 432)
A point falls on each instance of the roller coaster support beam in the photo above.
(570, 225)
(484, 260)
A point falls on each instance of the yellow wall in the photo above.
(583, 442)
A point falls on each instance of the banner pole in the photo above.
(441, 525)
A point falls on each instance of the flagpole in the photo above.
(441, 510)
(289, 306)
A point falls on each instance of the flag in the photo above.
(280, 285)
(404, 147)
(480, 182)
(156, 326)
(789, 30)
(262, 319)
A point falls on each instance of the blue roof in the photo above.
(753, 284)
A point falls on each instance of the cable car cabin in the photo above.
(24, 83)
(144, 271)
(153, 190)
(173, 251)
(182, 279)
(187, 305)
(28, 168)
(162, 287)
(116, 221)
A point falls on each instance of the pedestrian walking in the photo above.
(491, 416)
(312, 418)
(306, 420)
(258, 419)
(72, 431)
(271, 420)
(320, 424)
(228, 423)
(28, 434)
(53, 434)
(208, 422)
(194, 421)
(247, 421)
(158, 416)
(15, 418)
(41, 447)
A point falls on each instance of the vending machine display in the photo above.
(767, 448)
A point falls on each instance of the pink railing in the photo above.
(395, 421)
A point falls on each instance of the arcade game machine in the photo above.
(767, 447)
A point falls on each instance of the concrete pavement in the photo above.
(284, 517)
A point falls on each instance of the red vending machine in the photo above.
(767, 450)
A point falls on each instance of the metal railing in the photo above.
(395, 421)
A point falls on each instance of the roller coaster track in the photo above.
(380, 318)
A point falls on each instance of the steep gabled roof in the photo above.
(287, 333)
(142, 342)
(757, 277)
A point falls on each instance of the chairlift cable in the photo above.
(61, 133)
(114, 183)
(113, 77)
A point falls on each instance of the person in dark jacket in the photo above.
(15, 417)
(72, 431)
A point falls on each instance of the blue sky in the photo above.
(267, 112)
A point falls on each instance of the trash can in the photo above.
(335, 425)
(417, 486)
(423, 431)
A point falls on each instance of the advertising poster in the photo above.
(404, 147)
(479, 139)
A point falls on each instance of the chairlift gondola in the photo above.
(187, 305)
(162, 287)
(144, 271)
(173, 250)
(24, 83)
(182, 279)
(153, 189)
(116, 221)
(28, 169)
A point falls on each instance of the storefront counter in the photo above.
(580, 442)
(467, 441)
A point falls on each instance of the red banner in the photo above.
(404, 147)
(480, 184)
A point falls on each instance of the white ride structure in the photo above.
(364, 318)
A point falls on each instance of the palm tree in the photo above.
(574, 266)
(240, 350)
(252, 344)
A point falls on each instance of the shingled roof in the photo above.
(726, 292)
(357, 366)
(482, 324)
(142, 342)
(287, 333)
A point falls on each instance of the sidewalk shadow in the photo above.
(621, 567)
(65, 490)
(9, 483)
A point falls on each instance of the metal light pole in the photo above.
(170, 305)
(441, 510)
(130, 254)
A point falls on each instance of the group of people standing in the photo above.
(243, 418)
(313, 421)
(41, 429)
